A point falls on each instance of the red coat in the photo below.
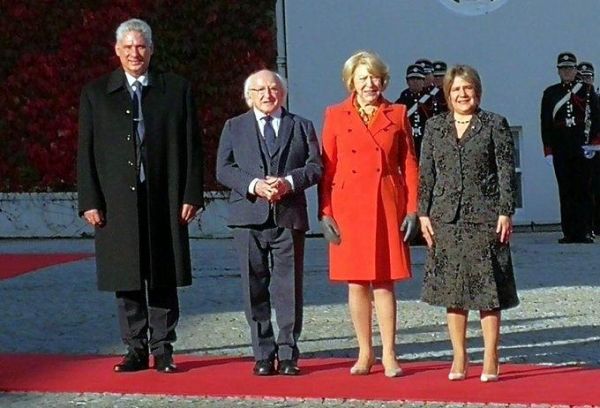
(369, 184)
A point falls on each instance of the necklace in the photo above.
(462, 122)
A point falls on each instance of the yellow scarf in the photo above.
(366, 113)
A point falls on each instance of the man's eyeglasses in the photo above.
(263, 90)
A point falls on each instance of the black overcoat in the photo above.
(107, 177)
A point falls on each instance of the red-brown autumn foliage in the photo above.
(50, 48)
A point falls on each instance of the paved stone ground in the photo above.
(557, 322)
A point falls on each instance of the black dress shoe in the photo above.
(288, 367)
(264, 367)
(133, 361)
(566, 240)
(164, 363)
(584, 240)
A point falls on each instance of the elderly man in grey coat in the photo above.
(268, 157)
(140, 184)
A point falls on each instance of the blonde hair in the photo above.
(466, 72)
(375, 66)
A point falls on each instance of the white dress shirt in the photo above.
(276, 122)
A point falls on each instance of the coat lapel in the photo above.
(116, 81)
(285, 131)
(474, 128)
(354, 121)
(252, 137)
(381, 120)
(153, 100)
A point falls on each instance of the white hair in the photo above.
(135, 24)
(250, 79)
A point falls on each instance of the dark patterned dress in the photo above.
(465, 184)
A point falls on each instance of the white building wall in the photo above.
(514, 48)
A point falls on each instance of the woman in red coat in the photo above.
(367, 202)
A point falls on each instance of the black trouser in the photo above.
(596, 193)
(148, 321)
(574, 177)
(272, 269)
(147, 317)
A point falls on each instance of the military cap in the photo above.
(439, 68)
(425, 64)
(415, 71)
(566, 59)
(585, 69)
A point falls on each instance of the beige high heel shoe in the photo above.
(491, 377)
(358, 369)
(452, 376)
(392, 372)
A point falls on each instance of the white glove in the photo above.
(589, 151)
(549, 160)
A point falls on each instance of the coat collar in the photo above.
(480, 119)
(285, 129)
(117, 80)
(381, 120)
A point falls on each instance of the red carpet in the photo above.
(322, 378)
(12, 265)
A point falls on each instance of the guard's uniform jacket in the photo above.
(417, 114)
(569, 120)
(563, 118)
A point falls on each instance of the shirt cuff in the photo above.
(291, 181)
(252, 186)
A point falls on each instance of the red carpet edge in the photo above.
(321, 378)
(13, 265)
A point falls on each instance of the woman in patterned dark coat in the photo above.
(466, 200)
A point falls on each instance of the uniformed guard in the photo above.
(585, 71)
(569, 119)
(414, 98)
(427, 66)
(438, 104)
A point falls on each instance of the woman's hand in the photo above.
(331, 231)
(409, 227)
(427, 231)
(504, 228)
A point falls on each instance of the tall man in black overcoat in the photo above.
(569, 121)
(268, 157)
(140, 184)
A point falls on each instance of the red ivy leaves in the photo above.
(215, 43)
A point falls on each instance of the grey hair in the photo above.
(135, 24)
(248, 82)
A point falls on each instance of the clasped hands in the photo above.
(272, 188)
